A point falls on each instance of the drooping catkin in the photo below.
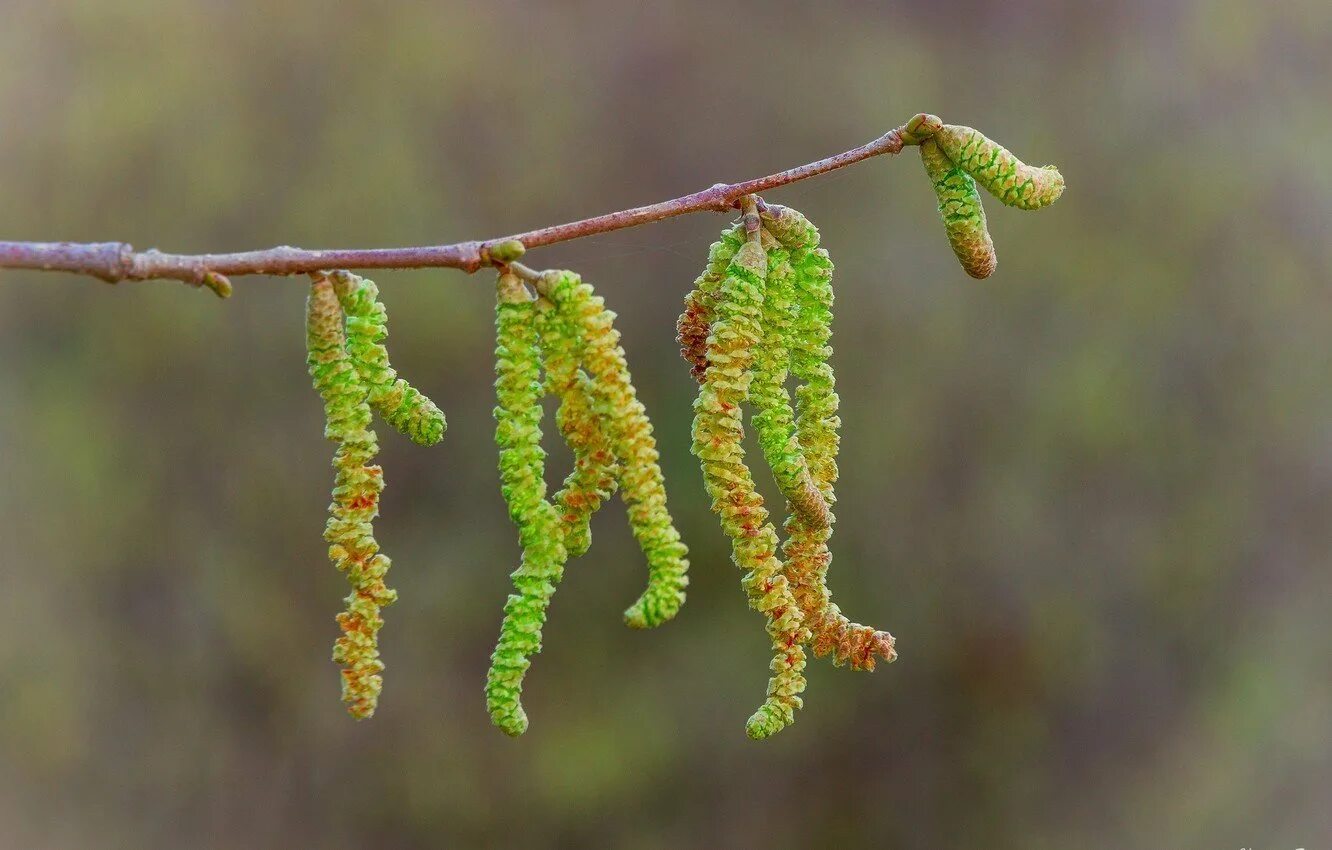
(961, 211)
(774, 419)
(1003, 175)
(584, 428)
(357, 486)
(642, 486)
(693, 325)
(817, 424)
(522, 466)
(401, 404)
(718, 434)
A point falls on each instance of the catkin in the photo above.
(521, 465)
(585, 430)
(642, 486)
(693, 326)
(817, 424)
(718, 433)
(402, 405)
(774, 419)
(961, 211)
(357, 486)
(1003, 175)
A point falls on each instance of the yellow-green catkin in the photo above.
(961, 211)
(692, 327)
(774, 418)
(817, 425)
(585, 429)
(718, 434)
(357, 486)
(1003, 175)
(401, 404)
(522, 467)
(642, 486)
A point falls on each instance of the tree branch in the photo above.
(117, 261)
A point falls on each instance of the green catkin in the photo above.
(693, 325)
(595, 473)
(357, 486)
(961, 211)
(817, 424)
(1003, 175)
(401, 404)
(522, 465)
(774, 419)
(642, 486)
(718, 433)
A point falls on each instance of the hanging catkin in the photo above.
(593, 478)
(357, 486)
(693, 326)
(817, 424)
(774, 419)
(401, 404)
(718, 434)
(625, 422)
(961, 211)
(522, 466)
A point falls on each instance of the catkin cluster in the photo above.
(568, 334)
(763, 308)
(345, 328)
(956, 159)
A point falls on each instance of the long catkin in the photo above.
(718, 434)
(357, 485)
(521, 464)
(817, 423)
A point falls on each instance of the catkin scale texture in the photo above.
(1003, 175)
(961, 211)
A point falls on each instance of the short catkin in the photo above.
(401, 404)
(961, 211)
(718, 434)
(522, 467)
(1003, 175)
(817, 424)
(642, 486)
(357, 486)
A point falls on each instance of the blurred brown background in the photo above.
(1090, 496)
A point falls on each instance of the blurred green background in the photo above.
(1091, 496)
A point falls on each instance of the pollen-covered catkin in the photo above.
(961, 211)
(693, 325)
(1003, 175)
(401, 404)
(817, 424)
(585, 429)
(718, 443)
(642, 486)
(357, 486)
(522, 466)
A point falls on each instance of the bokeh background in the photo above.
(1091, 496)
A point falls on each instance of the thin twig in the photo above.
(117, 261)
